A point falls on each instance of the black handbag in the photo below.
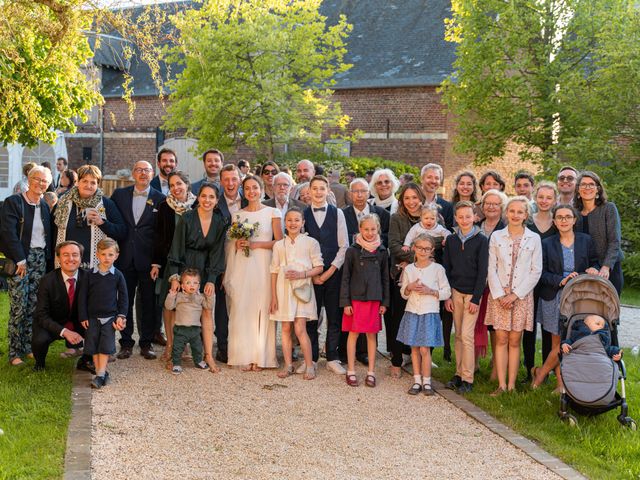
(7, 266)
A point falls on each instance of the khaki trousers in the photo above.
(465, 324)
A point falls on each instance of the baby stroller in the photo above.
(589, 375)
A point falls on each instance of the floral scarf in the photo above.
(178, 206)
(61, 219)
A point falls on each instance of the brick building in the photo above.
(399, 59)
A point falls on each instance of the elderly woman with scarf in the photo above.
(179, 201)
(383, 188)
(83, 214)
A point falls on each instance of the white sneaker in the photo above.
(302, 368)
(336, 367)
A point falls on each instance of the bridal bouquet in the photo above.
(242, 231)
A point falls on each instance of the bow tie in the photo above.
(139, 194)
(320, 209)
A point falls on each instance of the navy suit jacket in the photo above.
(224, 209)
(195, 186)
(52, 310)
(155, 183)
(446, 210)
(137, 248)
(585, 256)
(352, 222)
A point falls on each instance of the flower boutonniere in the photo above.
(150, 202)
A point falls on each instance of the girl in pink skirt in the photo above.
(364, 294)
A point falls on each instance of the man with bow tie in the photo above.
(167, 161)
(138, 204)
(327, 225)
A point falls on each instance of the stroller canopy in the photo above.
(590, 294)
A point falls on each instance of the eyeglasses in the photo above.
(566, 218)
(492, 205)
(423, 249)
(282, 185)
(587, 186)
(360, 191)
(269, 172)
(142, 170)
(41, 181)
(566, 178)
(383, 182)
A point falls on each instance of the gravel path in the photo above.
(253, 425)
(629, 329)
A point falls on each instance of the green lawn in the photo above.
(630, 296)
(599, 447)
(34, 412)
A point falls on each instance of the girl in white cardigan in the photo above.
(515, 266)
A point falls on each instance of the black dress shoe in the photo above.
(125, 352)
(148, 353)
(363, 359)
(158, 339)
(38, 368)
(221, 356)
(86, 366)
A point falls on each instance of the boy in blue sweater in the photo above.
(102, 309)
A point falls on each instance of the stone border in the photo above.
(77, 458)
(527, 446)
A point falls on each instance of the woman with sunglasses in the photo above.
(268, 172)
(565, 255)
(601, 220)
(383, 188)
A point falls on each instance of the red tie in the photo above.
(72, 291)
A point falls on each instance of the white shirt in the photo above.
(435, 278)
(343, 236)
(234, 206)
(138, 203)
(66, 277)
(361, 213)
(164, 185)
(38, 239)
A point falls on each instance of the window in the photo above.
(39, 154)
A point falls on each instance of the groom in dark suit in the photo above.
(138, 204)
(56, 314)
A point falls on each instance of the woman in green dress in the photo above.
(198, 242)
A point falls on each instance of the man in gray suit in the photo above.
(340, 191)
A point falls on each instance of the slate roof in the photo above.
(394, 43)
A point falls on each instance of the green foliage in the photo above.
(35, 409)
(42, 86)
(359, 165)
(256, 73)
(599, 447)
(551, 75)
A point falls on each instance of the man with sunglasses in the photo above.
(567, 185)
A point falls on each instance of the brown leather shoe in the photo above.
(148, 353)
(158, 339)
(125, 352)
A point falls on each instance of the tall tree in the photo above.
(46, 76)
(538, 73)
(256, 73)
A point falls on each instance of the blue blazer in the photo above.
(224, 209)
(136, 249)
(155, 183)
(585, 256)
(195, 186)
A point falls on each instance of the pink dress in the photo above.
(520, 316)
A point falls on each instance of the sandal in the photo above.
(370, 381)
(71, 353)
(16, 362)
(534, 375)
(497, 392)
(352, 380)
(286, 372)
(310, 373)
(415, 389)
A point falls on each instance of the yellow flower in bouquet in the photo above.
(240, 230)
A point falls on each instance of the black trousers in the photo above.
(328, 295)
(221, 317)
(40, 341)
(447, 326)
(392, 323)
(140, 283)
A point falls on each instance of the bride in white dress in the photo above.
(247, 281)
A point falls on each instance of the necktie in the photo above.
(360, 215)
(321, 209)
(72, 291)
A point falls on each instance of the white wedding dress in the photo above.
(247, 281)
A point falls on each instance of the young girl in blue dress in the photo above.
(424, 286)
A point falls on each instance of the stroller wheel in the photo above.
(631, 423)
(570, 420)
